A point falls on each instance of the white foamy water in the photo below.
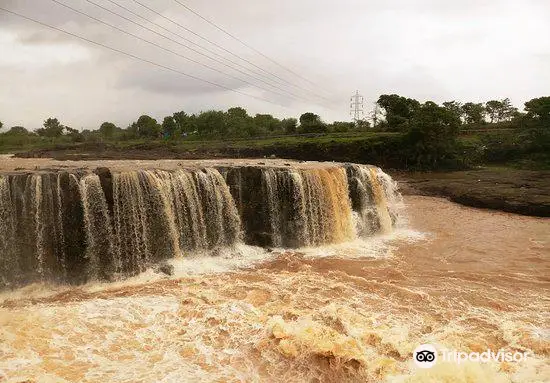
(378, 246)
(348, 312)
(230, 259)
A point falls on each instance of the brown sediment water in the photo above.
(452, 276)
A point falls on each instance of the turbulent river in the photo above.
(459, 278)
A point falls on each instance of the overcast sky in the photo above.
(466, 50)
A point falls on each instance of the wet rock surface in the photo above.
(165, 268)
(523, 192)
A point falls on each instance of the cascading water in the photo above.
(31, 228)
(97, 221)
(271, 191)
(307, 207)
(375, 199)
(78, 226)
(8, 261)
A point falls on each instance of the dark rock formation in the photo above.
(165, 268)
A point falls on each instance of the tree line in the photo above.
(235, 122)
(394, 112)
(427, 131)
(430, 130)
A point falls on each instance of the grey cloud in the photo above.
(427, 49)
(166, 82)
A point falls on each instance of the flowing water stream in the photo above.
(350, 280)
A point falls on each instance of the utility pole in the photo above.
(356, 107)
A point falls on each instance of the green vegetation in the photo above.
(456, 135)
(406, 134)
(431, 136)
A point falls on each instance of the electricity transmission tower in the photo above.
(356, 107)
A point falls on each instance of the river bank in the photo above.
(525, 192)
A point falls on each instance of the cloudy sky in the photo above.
(466, 50)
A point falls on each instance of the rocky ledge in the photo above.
(523, 192)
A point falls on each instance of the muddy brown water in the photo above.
(459, 278)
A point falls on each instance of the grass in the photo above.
(536, 161)
(10, 144)
(259, 142)
(374, 147)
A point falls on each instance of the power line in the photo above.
(140, 58)
(180, 36)
(211, 42)
(226, 50)
(189, 41)
(242, 42)
(164, 48)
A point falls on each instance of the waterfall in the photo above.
(8, 261)
(32, 209)
(32, 236)
(375, 199)
(271, 191)
(320, 206)
(77, 226)
(141, 225)
(189, 214)
(99, 235)
(294, 207)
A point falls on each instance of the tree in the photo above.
(1, 125)
(90, 135)
(500, 110)
(185, 123)
(74, 134)
(473, 113)
(17, 131)
(454, 107)
(508, 111)
(289, 125)
(237, 112)
(494, 110)
(239, 123)
(398, 110)
(538, 123)
(107, 129)
(145, 126)
(169, 126)
(432, 135)
(211, 123)
(342, 126)
(52, 128)
(311, 123)
(267, 123)
(309, 118)
(539, 109)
